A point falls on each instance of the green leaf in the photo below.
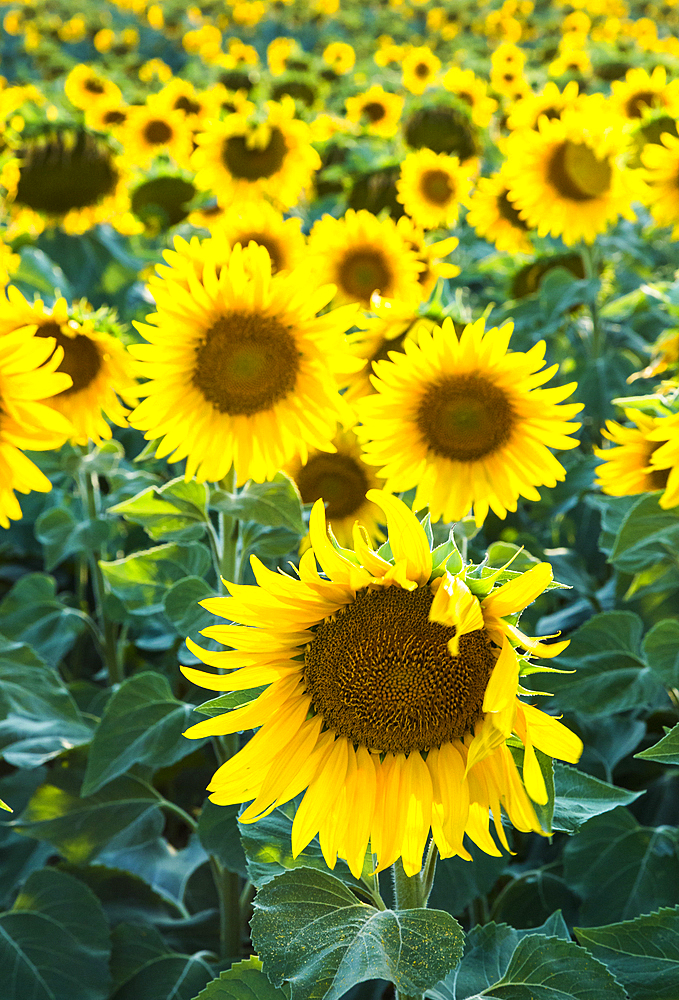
(218, 832)
(55, 942)
(642, 954)
(182, 608)
(458, 883)
(622, 869)
(39, 718)
(142, 724)
(666, 751)
(32, 613)
(177, 977)
(134, 946)
(532, 897)
(175, 512)
(275, 504)
(661, 649)
(37, 270)
(243, 981)
(312, 933)
(647, 535)
(579, 797)
(62, 535)
(611, 671)
(141, 580)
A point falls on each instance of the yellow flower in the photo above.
(551, 102)
(242, 369)
(662, 163)
(429, 255)
(567, 178)
(643, 458)
(86, 88)
(361, 255)
(571, 60)
(462, 420)
(278, 52)
(260, 223)
(431, 188)
(420, 67)
(196, 106)
(154, 128)
(391, 691)
(106, 117)
(241, 158)
(376, 110)
(641, 92)
(493, 216)
(473, 91)
(340, 57)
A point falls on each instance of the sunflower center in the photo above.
(374, 111)
(246, 363)
(65, 172)
(114, 117)
(509, 213)
(186, 105)
(252, 164)
(577, 173)
(465, 417)
(657, 478)
(338, 479)
(362, 272)
(157, 132)
(436, 187)
(272, 247)
(82, 360)
(380, 674)
(637, 103)
(422, 71)
(94, 86)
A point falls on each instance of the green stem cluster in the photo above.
(589, 264)
(412, 892)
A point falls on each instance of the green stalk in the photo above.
(227, 537)
(411, 893)
(589, 265)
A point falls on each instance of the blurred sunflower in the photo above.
(462, 420)
(340, 57)
(106, 117)
(86, 88)
(492, 215)
(376, 110)
(662, 163)
(240, 158)
(242, 371)
(153, 128)
(260, 223)
(550, 102)
(641, 92)
(27, 374)
(644, 458)
(571, 60)
(391, 692)
(419, 67)
(444, 129)
(196, 106)
(567, 177)
(473, 91)
(97, 364)
(361, 255)
(429, 255)
(431, 187)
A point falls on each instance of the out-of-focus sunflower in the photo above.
(160, 197)
(340, 57)
(97, 364)
(196, 106)
(493, 216)
(376, 110)
(419, 67)
(27, 374)
(644, 458)
(392, 689)
(361, 255)
(641, 92)
(86, 88)
(568, 179)
(431, 188)
(153, 128)
(571, 60)
(106, 117)
(260, 223)
(429, 255)
(550, 102)
(664, 355)
(242, 371)
(341, 479)
(462, 419)
(662, 163)
(9, 262)
(241, 158)
(444, 129)
(279, 52)
(473, 91)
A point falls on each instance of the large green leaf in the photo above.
(142, 579)
(648, 535)
(622, 869)
(177, 977)
(642, 954)
(19, 856)
(32, 613)
(182, 607)
(175, 512)
(666, 751)
(274, 504)
(218, 832)
(661, 649)
(39, 718)
(142, 724)
(243, 981)
(458, 883)
(579, 797)
(312, 933)
(55, 942)
(132, 947)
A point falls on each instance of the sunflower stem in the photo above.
(232, 900)
(429, 871)
(227, 546)
(408, 889)
(589, 265)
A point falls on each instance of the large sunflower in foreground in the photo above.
(644, 458)
(27, 374)
(391, 693)
(567, 177)
(97, 364)
(463, 420)
(242, 371)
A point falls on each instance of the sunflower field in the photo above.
(339, 500)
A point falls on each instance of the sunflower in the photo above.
(392, 689)
(469, 88)
(644, 458)
(551, 102)
(97, 364)
(376, 110)
(429, 255)
(196, 106)
(492, 215)
(9, 262)
(567, 178)
(259, 222)
(662, 163)
(641, 92)
(241, 158)
(571, 60)
(340, 57)
(27, 374)
(431, 187)
(159, 199)
(462, 420)
(153, 128)
(86, 88)
(242, 370)
(106, 117)
(419, 66)
(341, 479)
(362, 255)
(444, 129)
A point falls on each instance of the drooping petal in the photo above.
(406, 535)
(517, 594)
(455, 605)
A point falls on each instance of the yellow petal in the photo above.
(518, 593)
(550, 736)
(455, 605)
(503, 681)
(406, 535)
(319, 797)
(334, 565)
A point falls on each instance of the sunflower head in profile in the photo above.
(642, 458)
(376, 110)
(86, 88)
(493, 216)
(568, 179)
(259, 222)
(242, 370)
(160, 199)
(392, 687)
(662, 164)
(96, 362)
(243, 158)
(444, 129)
(419, 67)
(362, 255)
(431, 188)
(641, 93)
(462, 419)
